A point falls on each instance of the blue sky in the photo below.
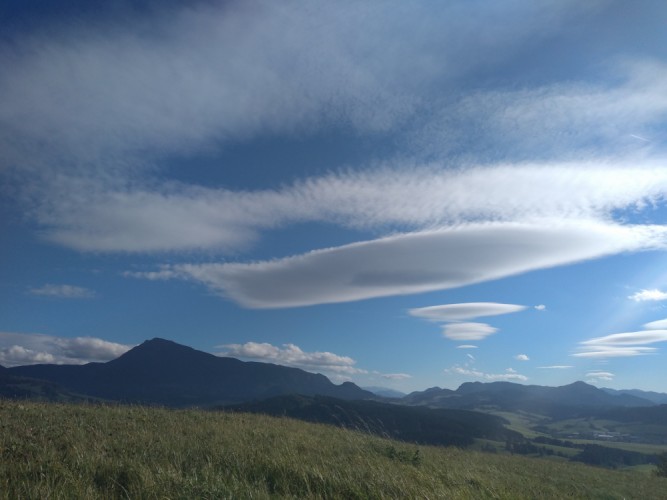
(402, 194)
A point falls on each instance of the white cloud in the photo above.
(468, 331)
(292, 355)
(614, 352)
(396, 376)
(419, 262)
(521, 357)
(628, 339)
(466, 346)
(556, 367)
(180, 217)
(660, 324)
(541, 307)
(63, 291)
(213, 72)
(29, 348)
(471, 357)
(572, 119)
(621, 344)
(465, 311)
(648, 295)
(92, 112)
(509, 375)
(600, 376)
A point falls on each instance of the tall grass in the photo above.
(85, 451)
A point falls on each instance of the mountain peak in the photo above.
(159, 351)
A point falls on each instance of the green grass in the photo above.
(86, 451)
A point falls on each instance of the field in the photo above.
(52, 450)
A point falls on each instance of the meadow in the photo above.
(53, 450)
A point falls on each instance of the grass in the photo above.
(88, 451)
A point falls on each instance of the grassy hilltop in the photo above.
(52, 450)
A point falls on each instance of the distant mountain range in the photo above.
(385, 392)
(166, 373)
(571, 400)
(658, 398)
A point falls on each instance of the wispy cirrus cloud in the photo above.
(178, 217)
(63, 291)
(31, 348)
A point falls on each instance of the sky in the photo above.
(401, 194)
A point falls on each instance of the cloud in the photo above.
(466, 346)
(660, 324)
(561, 119)
(509, 375)
(419, 262)
(176, 217)
(521, 357)
(630, 338)
(124, 86)
(614, 352)
(465, 311)
(556, 367)
(600, 376)
(396, 376)
(96, 114)
(541, 307)
(63, 292)
(648, 295)
(29, 348)
(621, 344)
(292, 355)
(468, 331)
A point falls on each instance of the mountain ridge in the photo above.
(163, 372)
(567, 400)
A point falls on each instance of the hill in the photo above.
(405, 423)
(86, 451)
(166, 373)
(571, 400)
(658, 398)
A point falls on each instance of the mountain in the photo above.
(385, 392)
(406, 423)
(659, 398)
(570, 400)
(166, 373)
